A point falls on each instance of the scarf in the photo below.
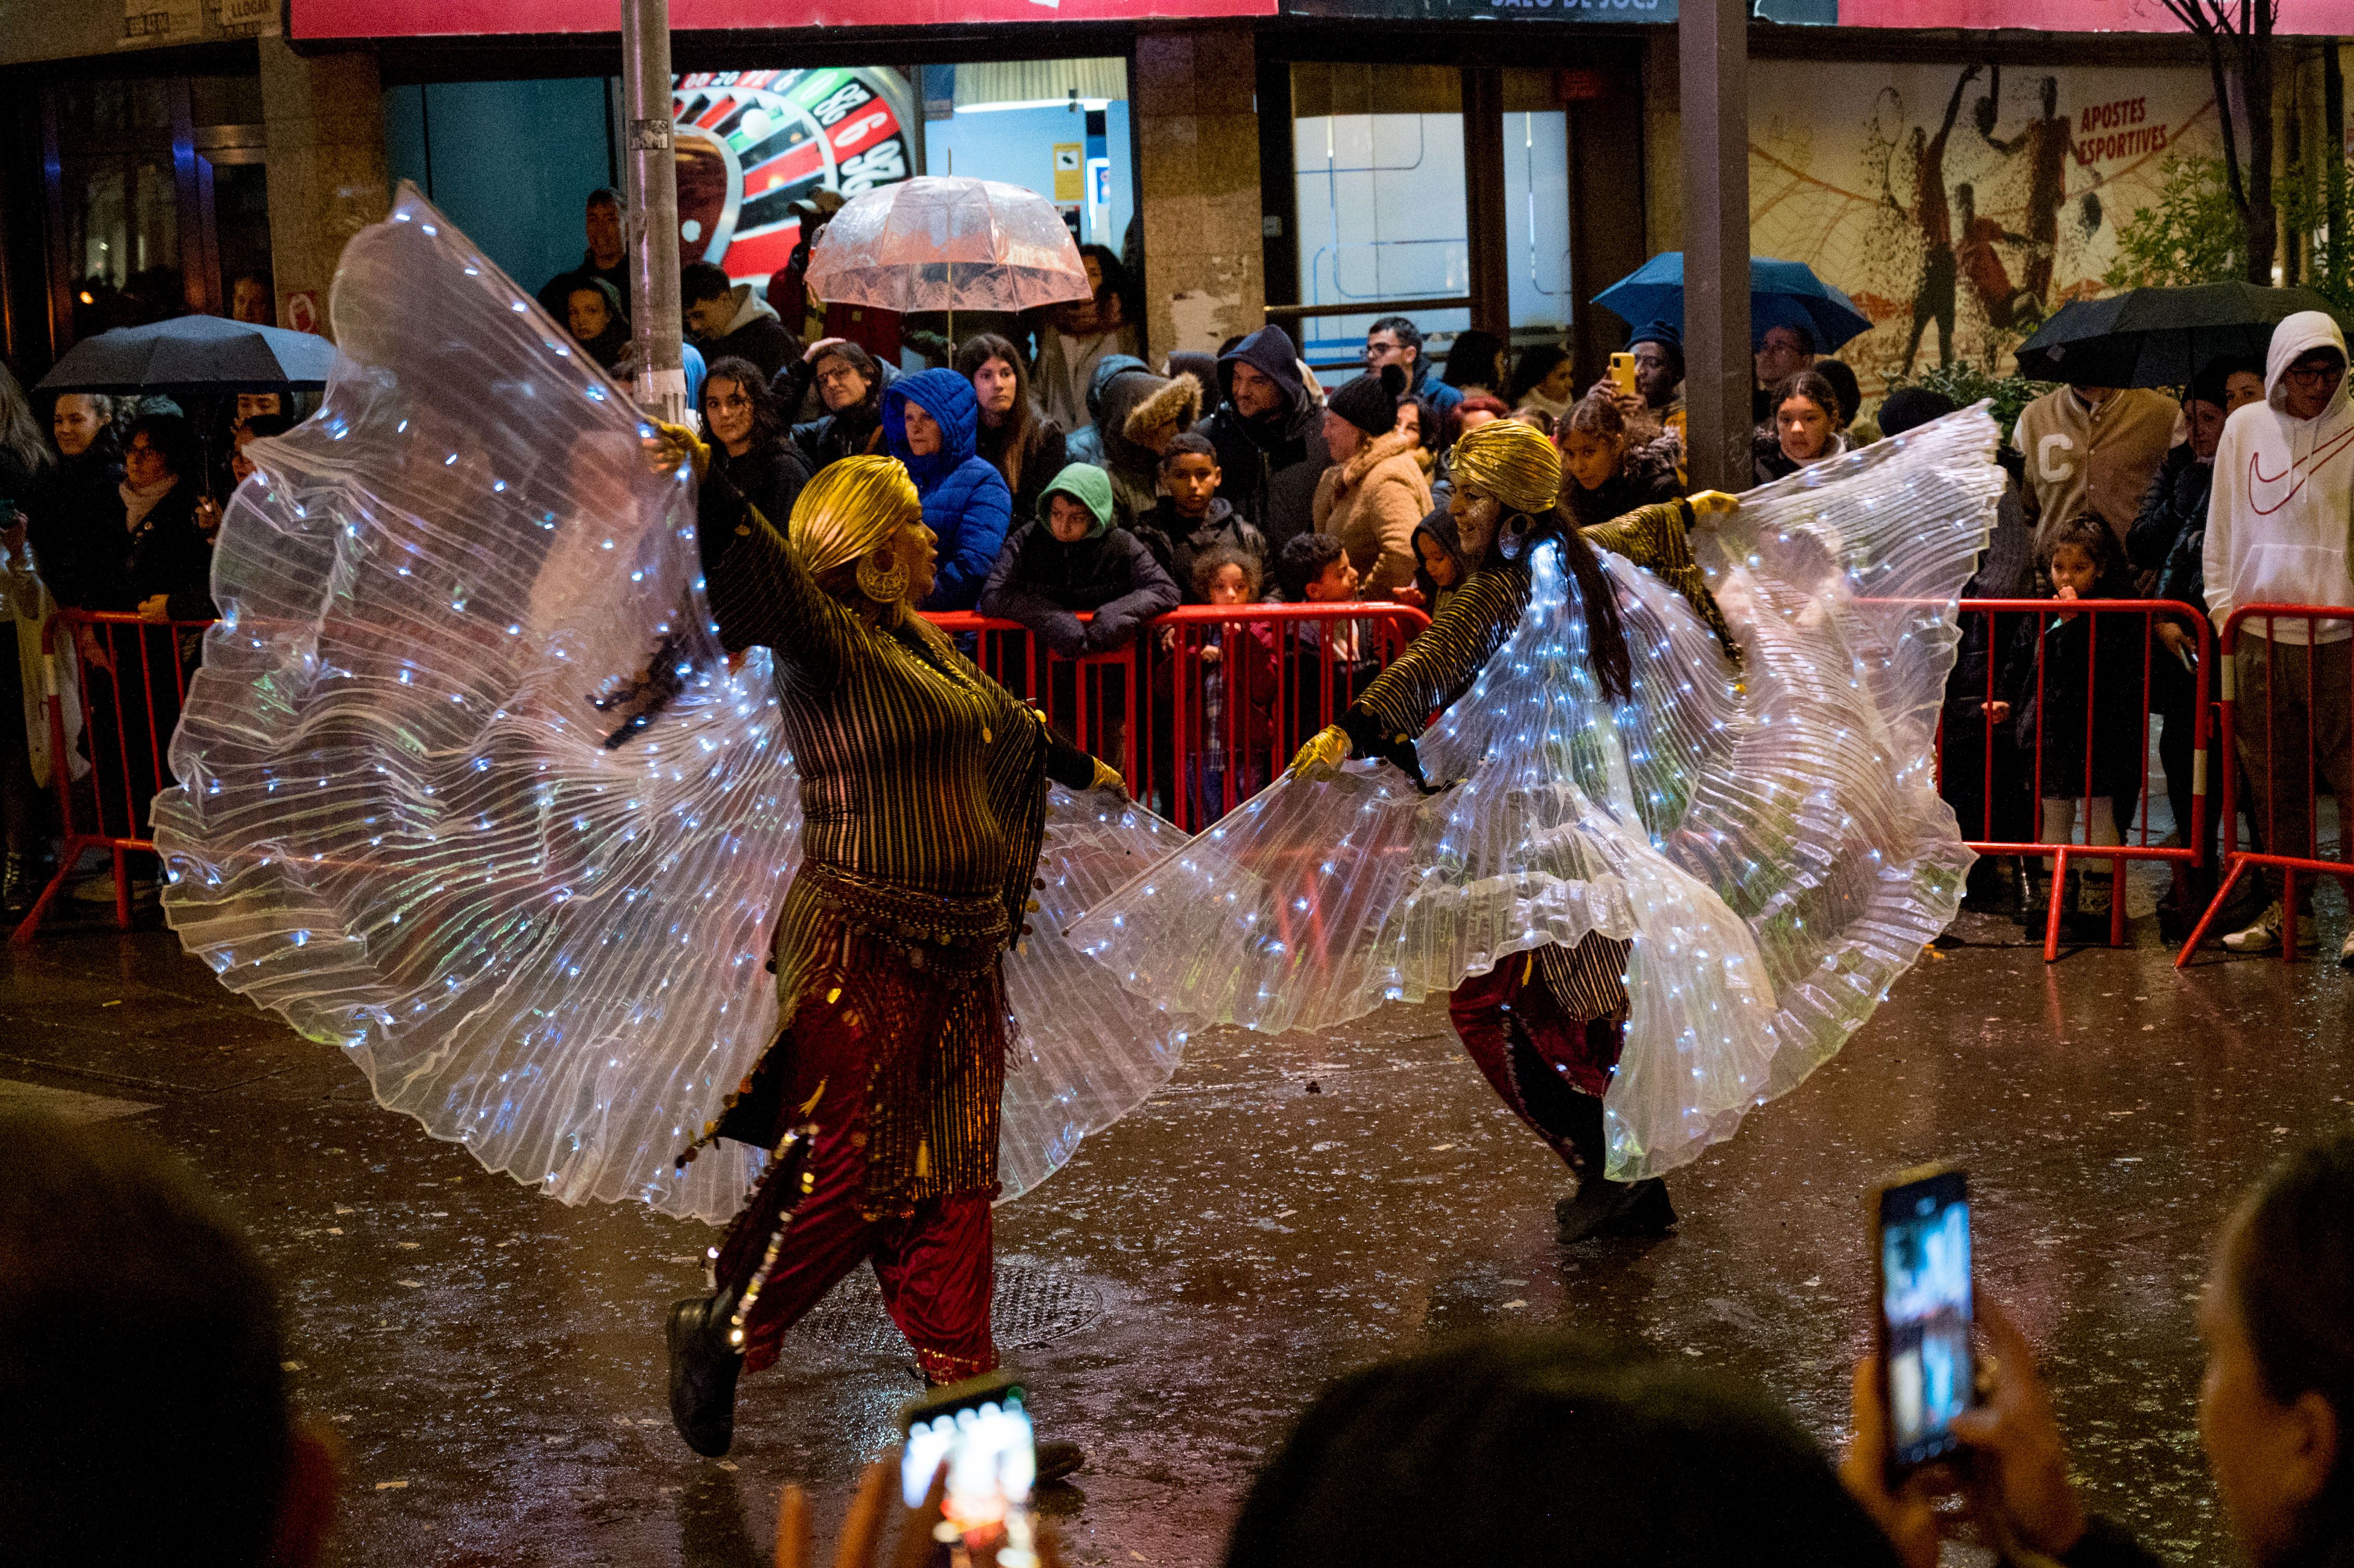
(137, 502)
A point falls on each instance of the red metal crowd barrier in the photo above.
(1210, 703)
(2122, 676)
(2323, 689)
(1157, 707)
(131, 677)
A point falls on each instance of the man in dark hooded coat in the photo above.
(1268, 430)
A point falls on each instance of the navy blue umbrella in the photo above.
(193, 354)
(2159, 337)
(1781, 293)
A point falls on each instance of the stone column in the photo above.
(1197, 134)
(323, 115)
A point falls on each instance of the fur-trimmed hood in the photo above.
(1169, 411)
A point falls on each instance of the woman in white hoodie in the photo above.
(2278, 522)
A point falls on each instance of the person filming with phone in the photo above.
(2277, 1316)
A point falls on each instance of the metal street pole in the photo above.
(654, 218)
(1713, 47)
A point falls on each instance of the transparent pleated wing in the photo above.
(1769, 837)
(398, 823)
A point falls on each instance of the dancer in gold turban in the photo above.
(923, 794)
(1546, 1026)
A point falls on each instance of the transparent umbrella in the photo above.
(948, 245)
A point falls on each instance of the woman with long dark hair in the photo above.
(1075, 337)
(1025, 445)
(752, 460)
(1639, 833)
(1607, 471)
(1475, 363)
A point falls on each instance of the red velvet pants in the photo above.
(936, 1265)
(1551, 1066)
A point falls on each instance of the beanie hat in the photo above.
(1841, 376)
(1370, 401)
(1667, 334)
(1908, 408)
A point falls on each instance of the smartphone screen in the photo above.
(1622, 371)
(982, 1431)
(1924, 1305)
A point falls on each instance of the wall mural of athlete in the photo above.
(1933, 299)
(2045, 141)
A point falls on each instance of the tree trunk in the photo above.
(2256, 48)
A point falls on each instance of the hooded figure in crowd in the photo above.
(929, 420)
(1135, 413)
(593, 314)
(1373, 494)
(730, 319)
(1073, 559)
(1269, 436)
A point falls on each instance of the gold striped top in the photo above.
(916, 768)
(1653, 538)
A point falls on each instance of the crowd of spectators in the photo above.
(151, 1414)
(1247, 451)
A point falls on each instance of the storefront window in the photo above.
(1056, 127)
(1536, 207)
(1378, 161)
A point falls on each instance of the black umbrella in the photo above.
(2159, 337)
(193, 354)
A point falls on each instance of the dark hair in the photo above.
(1909, 407)
(1117, 280)
(1535, 364)
(859, 360)
(1013, 444)
(1473, 359)
(1809, 385)
(1217, 558)
(701, 280)
(769, 415)
(606, 195)
(2088, 533)
(140, 1353)
(169, 435)
(1597, 414)
(2212, 385)
(1806, 333)
(1187, 443)
(263, 426)
(2291, 1274)
(1427, 421)
(1303, 558)
(1513, 1450)
(1403, 328)
(1843, 385)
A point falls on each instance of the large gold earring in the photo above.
(884, 585)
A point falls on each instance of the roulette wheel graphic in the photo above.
(750, 143)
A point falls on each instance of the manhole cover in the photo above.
(1033, 1305)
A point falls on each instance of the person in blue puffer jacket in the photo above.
(930, 422)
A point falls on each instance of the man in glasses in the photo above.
(2276, 534)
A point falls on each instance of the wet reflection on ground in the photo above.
(1286, 1210)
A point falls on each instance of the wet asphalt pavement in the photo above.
(1285, 1210)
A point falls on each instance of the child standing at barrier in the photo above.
(2072, 686)
(1073, 560)
(1236, 691)
(1328, 665)
(1190, 518)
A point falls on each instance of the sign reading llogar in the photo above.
(750, 145)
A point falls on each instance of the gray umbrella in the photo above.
(193, 354)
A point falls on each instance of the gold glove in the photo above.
(675, 444)
(1109, 778)
(1325, 750)
(1712, 504)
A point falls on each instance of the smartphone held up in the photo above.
(980, 1430)
(1921, 1262)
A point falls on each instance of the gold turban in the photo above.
(1511, 461)
(852, 506)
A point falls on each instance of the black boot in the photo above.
(1059, 1460)
(1601, 1206)
(703, 1370)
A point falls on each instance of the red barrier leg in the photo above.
(2117, 895)
(2289, 912)
(2052, 917)
(2235, 868)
